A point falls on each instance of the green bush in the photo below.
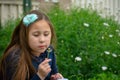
(5, 33)
(104, 76)
(88, 45)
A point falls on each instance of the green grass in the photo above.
(84, 34)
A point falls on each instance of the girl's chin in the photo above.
(41, 51)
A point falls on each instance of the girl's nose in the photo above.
(42, 39)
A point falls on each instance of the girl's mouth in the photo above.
(41, 47)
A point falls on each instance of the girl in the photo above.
(30, 54)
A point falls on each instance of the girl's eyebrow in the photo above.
(36, 31)
(40, 32)
(47, 31)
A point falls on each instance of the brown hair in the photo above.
(20, 40)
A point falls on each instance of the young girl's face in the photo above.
(39, 37)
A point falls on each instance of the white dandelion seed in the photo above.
(78, 58)
(104, 68)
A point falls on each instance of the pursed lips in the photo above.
(42, 46)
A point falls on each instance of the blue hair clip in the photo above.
(30, 18)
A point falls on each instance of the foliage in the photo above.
(88, 45)
(5, 33)
(105, 76)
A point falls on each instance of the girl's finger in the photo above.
(46, 61)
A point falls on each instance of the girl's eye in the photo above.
(46, 34)
(36, 34)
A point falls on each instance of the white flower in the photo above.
(62, 41)
(118, 42)
(86, 24)
(55, 14)
(106, 52)
(101, 14)
(118, 34)
(104, 68)
(117, 30)
(110, 35)
(114, 55)
(71, 56)
(102, 37)
(105, 24)
(78, 58)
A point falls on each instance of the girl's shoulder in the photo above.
(11, 62)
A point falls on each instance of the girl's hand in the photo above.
(56, 76)
(44, 69)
